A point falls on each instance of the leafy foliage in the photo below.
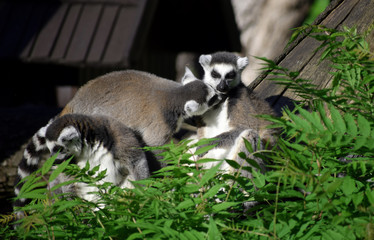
(320, 185)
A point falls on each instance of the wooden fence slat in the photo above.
(294, 61)
(339, 14)
(48, 34)
(81, 40)
(319, 73)
(66, 32)
(360, 15)
(102, 33)
(31, 31)
(124, 32)
(303, 58)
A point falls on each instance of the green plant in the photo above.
(317, 8)
(327, 151)
(179, 201)
(320, 185)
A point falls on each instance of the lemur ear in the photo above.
(188, 76)
(69, 135)
(242, 62)
(205, 60)
(191, 108)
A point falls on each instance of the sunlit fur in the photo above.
(233, 119)
(151, 105)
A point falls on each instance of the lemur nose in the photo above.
(223, 86)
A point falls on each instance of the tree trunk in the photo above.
(266, 28)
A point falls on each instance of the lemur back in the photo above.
(153, 106)
(99, 140)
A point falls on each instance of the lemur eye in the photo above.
(215, 74)
(231, 75)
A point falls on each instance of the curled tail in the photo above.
(33, 154)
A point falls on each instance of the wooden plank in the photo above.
(123, 37)
(83, 35)
(65, 35)
(319, 73)
(14, 29)
(339, 14)
(48, 34)
(295, 61)
(302, 58)
(361, 17)
(34, 25)
(102, 34)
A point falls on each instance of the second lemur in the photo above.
(97, 140)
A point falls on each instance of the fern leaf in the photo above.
(339, 123)
(364, 126)
(324, 117)
(61, 167)
(48, 164)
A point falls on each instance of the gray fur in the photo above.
(122, 142)
(239, 110)
(93, 132)
(100, 140)
(151, 105)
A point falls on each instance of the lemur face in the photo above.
(222, 70)
(202, 102)
(222, 77)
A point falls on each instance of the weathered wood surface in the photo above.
(70, 32)
(301, 55)
(266, 26)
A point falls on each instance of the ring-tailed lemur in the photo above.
(234, 118)
(152, 106)
(99, 140)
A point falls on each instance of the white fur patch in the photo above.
(22, 173)
(205, 60)
(188, 77)
(223, 68)
(30, 160)
(16, 191)
(191, 107)
(96, 154)
(216, 121)
(217, 67)
(215, 153)
(242, 62)
(67, 134)
(179, 123)
(43, 130)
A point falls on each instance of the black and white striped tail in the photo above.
(32, 155)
